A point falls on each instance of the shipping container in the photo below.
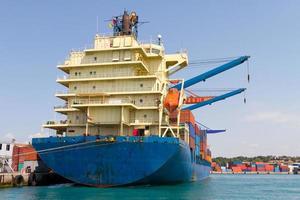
(197, 130)
(192, 142)
(269, 168)
(284, 168)
(276, 169)
(22, 153)
(192, 130)
(236, 169)
(20, 166)
(260, 169)
(253, 169)
(186, 116)
(197, 150)
(197, 140)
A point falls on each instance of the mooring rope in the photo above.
(64, 148)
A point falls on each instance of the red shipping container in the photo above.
(269, 168)
(253, 169)
(261, 169)
(197, 130)
(242, 166)
(23, 153)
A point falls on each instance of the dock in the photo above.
(17, 179)
(252, 173)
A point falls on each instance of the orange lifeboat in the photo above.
(172, 100)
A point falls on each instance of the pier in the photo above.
(252, 173)
(18, 179)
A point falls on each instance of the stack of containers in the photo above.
(234, 163)
(197, 139)
(192, 136)
(22, 153)
(186, 116)
(208, 155)
(216, 167)
(269, 168)
(260, 167)
(253, 167)
(203, 144)
(284, 168)
(276, 169)
(239, 165)
(236, 169)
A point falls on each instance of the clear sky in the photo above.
(36, 35)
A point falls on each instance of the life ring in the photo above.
(18, 181)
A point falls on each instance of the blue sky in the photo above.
(36, 35)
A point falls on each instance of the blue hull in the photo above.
(115, 161)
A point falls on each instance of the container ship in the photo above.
(126, 121)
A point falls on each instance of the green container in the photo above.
(20, 166)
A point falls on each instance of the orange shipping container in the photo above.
(187, 116)
(236, 169)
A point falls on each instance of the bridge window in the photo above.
(0, 146)
(7, 147)
(116, 56)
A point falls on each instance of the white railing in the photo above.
(59, 107)
(112, 102)
(105, 101)
(104, 75)
(143, 120)
(110, 90)
(60, 122)
(84, 60)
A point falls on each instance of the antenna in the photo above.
(97, 25)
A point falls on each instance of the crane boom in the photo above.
(213, 72)
(215, 99)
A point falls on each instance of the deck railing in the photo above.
(103, 75)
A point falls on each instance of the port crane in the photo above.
(175, 97)
(173, 101)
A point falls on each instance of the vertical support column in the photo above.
(122, 120)
(180, 105)
(87, 121)
(161, 108)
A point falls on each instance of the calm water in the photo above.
(216, 187)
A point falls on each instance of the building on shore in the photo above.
(6, 149)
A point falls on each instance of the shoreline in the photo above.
(254, 173)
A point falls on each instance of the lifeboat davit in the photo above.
(172, 100)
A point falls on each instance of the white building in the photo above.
(6, 151)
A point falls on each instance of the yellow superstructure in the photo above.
(115, 87)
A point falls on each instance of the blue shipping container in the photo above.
(192, 130)
(197, 139)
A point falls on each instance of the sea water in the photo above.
(215, 187)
